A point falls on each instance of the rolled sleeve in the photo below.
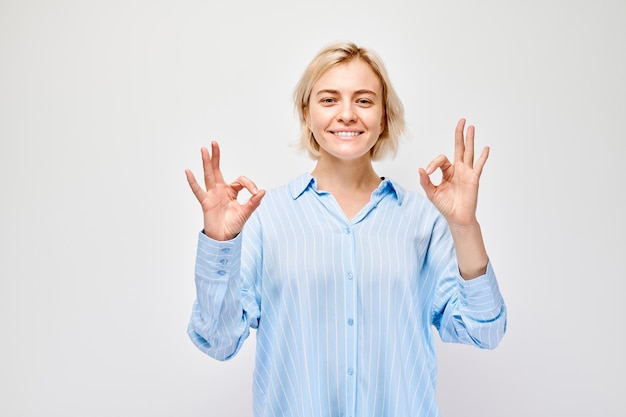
(477, 315)
(480, 297)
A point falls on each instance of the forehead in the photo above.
(354, 75)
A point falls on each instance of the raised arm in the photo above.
(456, 198)
(224, 309)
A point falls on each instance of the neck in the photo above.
(340, 176)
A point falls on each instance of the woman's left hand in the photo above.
(456, 196)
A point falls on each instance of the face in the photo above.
(345, 111)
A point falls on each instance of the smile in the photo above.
(346, 134)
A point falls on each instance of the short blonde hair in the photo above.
(341, 53)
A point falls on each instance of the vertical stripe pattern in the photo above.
(344, 310)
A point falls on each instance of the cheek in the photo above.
(315, 119)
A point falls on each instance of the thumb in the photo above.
(252, 203)
(426, 183)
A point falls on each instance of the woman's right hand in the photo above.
(224, 216)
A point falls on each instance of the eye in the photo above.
(365, 102)
(327, 100)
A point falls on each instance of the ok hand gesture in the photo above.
(457, 195)
(224, 216)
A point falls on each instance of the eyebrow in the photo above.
(357, 92)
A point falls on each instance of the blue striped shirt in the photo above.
(343, 309)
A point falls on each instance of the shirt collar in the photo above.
(304, 182)
(300, 184)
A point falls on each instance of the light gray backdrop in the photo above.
(103, 104)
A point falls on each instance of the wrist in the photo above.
(471, 255)
(471, 227)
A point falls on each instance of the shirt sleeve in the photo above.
(470, 312)
(225, 307)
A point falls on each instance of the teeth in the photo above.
(346, 134)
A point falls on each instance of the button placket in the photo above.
(350, 282)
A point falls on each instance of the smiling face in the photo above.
(345, 111)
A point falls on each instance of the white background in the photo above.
(103, 104)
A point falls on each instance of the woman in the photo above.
(343, 272)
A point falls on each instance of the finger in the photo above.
(442, 162)
(195, 187)
(480, 163)
(244, 182)
(468, 157)
(209, 178)
(459, 142)
(215, 162)
(426, 183)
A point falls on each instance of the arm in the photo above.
(468, 306)
(225, 306)
(456, 198)
(223, 311)
(464, 311)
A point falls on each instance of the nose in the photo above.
(346, 113)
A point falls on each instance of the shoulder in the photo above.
(291, 190)
(414, 206)
(407, 198)
(281, 198)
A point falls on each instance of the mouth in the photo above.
(346, 134)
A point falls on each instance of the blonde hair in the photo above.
(342, 53)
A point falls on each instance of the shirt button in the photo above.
(347, 230)
(350, 371)
(221, 272)
(350, 322)
(223, 261)
(225, 250)
(349, 275)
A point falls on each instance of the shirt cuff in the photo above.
(217, 260)
(480, 294)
